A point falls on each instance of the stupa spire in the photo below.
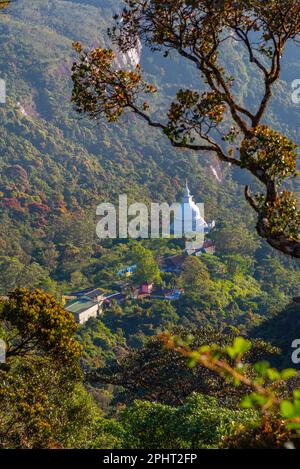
(187, 190)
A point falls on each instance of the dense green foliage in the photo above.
(199, 423)
(55, 169)
(156, 374)
(43, 402)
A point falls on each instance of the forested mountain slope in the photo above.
(55, 168)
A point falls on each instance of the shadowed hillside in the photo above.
(281, 330)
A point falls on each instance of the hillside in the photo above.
(56, 168)
(137, 343)
(282, 330)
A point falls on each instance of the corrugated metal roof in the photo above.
(78, 306)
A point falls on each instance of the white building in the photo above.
(85, 304)
(83, 309)
(189, 222)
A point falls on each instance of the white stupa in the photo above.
(189, 222)
(188, 218)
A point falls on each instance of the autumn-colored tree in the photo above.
(214, 120)
(4, 3)
(42, 401)
(34, 322)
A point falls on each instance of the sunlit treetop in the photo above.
(214, 120)
(37, 324)
(4, 3)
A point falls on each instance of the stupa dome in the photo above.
(188, 218)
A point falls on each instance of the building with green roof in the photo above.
(83, 309)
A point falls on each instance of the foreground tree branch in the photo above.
(204, 121)
(263, 381)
